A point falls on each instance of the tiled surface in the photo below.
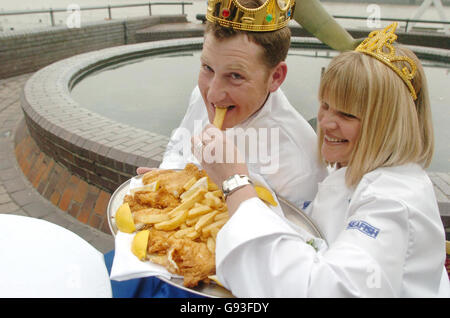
(18, 195)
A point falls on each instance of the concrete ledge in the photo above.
(169, 31)
(26, 51)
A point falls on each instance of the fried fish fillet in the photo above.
(158, 241)
(184, 257)
(159, 199)
(193, 260)
(173, 180)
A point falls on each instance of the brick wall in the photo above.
(27, 51)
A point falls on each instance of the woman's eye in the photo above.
(325, 106)
(350, 116)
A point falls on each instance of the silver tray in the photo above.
(291, 212)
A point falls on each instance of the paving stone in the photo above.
(6, 164)
(60, 219)
(38, 209)
(15, 185)
(19, 212)
(9, 207)
(5, 198)
(24, 197)
(8, 174)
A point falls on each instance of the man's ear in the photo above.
(277, 76)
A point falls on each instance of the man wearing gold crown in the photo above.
(242, 69)
(381, 231)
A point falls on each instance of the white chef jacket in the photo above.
(385, 238)
(299, 171)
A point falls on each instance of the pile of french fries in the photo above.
(200, 215)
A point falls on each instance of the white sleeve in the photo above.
(178, 151)
(259, 255)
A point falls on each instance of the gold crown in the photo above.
(377, 42)
(271, 16)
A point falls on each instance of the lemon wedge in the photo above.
(139, 244)
(124, 219)
(265, 195)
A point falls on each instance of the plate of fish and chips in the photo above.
(175, 216)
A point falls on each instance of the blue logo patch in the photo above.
(364, 227)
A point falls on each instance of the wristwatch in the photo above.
(233, 183)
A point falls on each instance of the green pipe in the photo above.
(312, 16)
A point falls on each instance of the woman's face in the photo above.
(340, 134)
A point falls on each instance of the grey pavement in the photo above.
(17, 194)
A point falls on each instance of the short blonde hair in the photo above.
(395, 129)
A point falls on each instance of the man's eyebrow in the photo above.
(237, 67)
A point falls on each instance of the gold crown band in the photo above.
(375, 45)
(272, 15)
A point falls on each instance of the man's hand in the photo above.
(218, 154)
(210, 148)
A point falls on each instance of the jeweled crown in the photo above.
(379, 45)
(271, 16)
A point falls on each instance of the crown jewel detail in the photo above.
(272, 15)
(379, 45)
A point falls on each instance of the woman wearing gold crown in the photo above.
(382, 232)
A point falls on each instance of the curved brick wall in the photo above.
(95, 148)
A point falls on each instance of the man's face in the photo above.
(233, 75)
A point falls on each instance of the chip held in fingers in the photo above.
(219, 116)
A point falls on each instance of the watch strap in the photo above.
(234, 183)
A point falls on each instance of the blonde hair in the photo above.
(395, 129)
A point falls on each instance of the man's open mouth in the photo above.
(230, 107)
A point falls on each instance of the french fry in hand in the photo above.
(219, 116)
